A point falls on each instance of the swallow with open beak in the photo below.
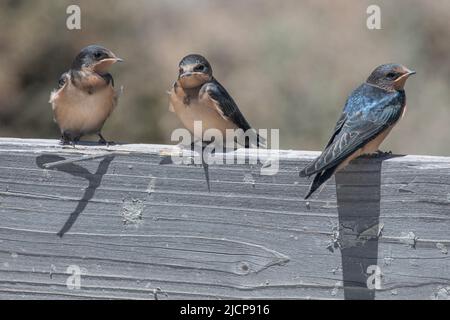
(197, 96)
(369, 115)
(85, 97)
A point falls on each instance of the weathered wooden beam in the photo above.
(140, 229)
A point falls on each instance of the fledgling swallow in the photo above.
(85, 97)
(198, 96)
(369, 115)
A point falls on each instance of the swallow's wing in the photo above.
(225, 104)
(110, 82)
(356, 130)
(170, 93)
(229, 110)
(109, 79)
(62, 82)
(338, 127)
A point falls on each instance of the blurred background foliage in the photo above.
(289, 64)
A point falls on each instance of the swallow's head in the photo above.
(390, 76)
(95, 58)
(194, 71)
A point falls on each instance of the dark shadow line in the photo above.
(359, 224)
(94, 179)
(167, 160)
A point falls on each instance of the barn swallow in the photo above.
(369, 115)
(85, 97)
(198, 96)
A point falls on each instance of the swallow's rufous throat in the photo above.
(197, 96)
(369, 115)
(86, 96)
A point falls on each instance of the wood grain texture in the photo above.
(138, 229)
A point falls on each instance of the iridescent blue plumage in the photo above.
(368, 99)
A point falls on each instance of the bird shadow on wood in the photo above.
(167, 160)
(358, 190)
(94, 179)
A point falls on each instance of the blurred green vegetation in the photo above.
(288, 64)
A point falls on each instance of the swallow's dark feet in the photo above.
(104, 141)
(378, 154)
(204, 145)
(64, 142)
(196, 144)
(381, 154)
(66, 139)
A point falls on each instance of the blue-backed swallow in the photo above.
(85, 97)
(369, 115)
(198, 96)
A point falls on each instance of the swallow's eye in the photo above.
(391, 75)
(200, 68)
(181, 70)
(98, 55)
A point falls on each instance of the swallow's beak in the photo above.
(186, 74)
(409, 72)
(400, 82)
(105, 64)
(112, 60)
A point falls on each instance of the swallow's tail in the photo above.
(319, 180)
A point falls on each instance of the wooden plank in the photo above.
(140, 230)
